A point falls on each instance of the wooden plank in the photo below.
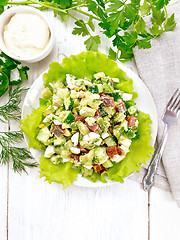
(3, 184)
(38, 210)
(164, 216)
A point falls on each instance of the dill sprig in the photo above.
(17, 155)
(11, 110)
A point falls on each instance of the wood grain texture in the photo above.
(38, 210)
(3, 184)
(164, 216)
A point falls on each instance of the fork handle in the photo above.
(152, 169)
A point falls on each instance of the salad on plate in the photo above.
(87, 122)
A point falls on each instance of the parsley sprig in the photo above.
(124, 22)
(7, 65)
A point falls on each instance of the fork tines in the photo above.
(174, 102)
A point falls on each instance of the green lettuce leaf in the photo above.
(62, 173)
(86, 64)
(30, 126)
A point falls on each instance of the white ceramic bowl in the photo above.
(4, 19)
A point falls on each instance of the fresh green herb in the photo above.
(115, 95)
(17, 155)
(8, 64)
(11, 110)
(69, 119)
(93, 89)
(123, 21)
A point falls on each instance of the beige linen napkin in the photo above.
(159, 68)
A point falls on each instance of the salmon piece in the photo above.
(99, 168)
(84, 150)
(57, 130)
(131, 121)
(107, 100)
(79, 118)
(111, 151)
(94, 128)
(121, 107)
(98, 113)
(75, 157)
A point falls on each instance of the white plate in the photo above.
(144, 102)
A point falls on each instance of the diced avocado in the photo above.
(58, 85)
(117, 131)
(100, 88)
(49, 141)
(110, 141)
(64, 153)
(87, 159)
(103, 123)
(43, 135)
(74, 126)
(67, 133)
(86, 172)
(108, 164)
(94, 103)
(68, 145)
(119, 117)
(132, 110)
(82, 128)
(55, 159)
(57, 101)
(87, 112)
(46, 93)
(100, 155)
(107, 88)
(60, 141)
(48, 110)
(110, 111)
(63, 93)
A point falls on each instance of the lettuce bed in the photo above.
(87, 64)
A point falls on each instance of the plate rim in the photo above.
(81, 181)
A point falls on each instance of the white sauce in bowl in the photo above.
(26, 35)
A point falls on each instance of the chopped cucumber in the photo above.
(46, 93)
(43, 135)
(108, 164)
(60, 141)
(86, 172)
(100, 155)
(110, 141)
(82, 128)
(87, 159)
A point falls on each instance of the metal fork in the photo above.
(169, 118)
